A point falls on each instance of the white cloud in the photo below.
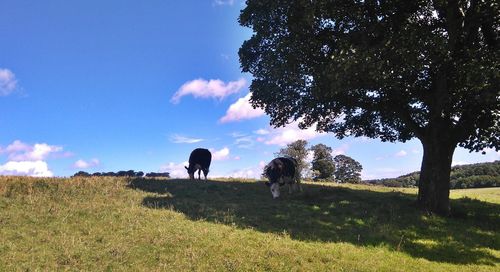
(290, 133)
(19, 151)
(237, 134)
(223, 2)
(17, 146)
(8, 82)
(244, 173)
(218, 155)
(241, 110)
(245, 142)
(82, 164)
(176, 170)
(178, 139)
(247, 172)
(341, 150)
(212, 88)
(261, 132)
(401, 153)
(26, 168)
(260, 139)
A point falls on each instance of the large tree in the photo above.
(393, 70)
(347, 169)
(298, 151)
(322, 163)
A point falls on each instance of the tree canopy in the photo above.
(298, 151)
(322, 163)
(392, 70)
(347, 169)
(386, 69)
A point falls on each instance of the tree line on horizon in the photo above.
(478, 175)
(129, 173)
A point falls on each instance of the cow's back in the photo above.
(280, 167)
(289, 166)
(200, 156)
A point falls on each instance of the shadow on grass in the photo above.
(337, 214)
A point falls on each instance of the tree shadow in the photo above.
(337, 214)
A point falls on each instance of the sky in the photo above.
(101, 86)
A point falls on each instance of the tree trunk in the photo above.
(434, 183)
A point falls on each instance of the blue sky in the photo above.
(116, 85)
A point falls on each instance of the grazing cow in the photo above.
(281, 171)
(199, 160)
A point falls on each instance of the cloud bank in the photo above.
(178, 139)
(82, 164)
(26, 168)
(290, 133)
(240, 110)
(176, 170)
(28, 160)
(8, 82)
(19, 151)
(213, 88)
(223, 2)
(219, 155)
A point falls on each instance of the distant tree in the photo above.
(347, 169)
(156, 175)
(81, 174)
(392, 70)
(323, 165)
(298, 151)
(121, 173)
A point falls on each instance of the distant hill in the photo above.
(479, 175)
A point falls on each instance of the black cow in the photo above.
(199, 160)
(281, 171)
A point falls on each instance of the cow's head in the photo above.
(273, 172)
(275, 189)
(192, 169)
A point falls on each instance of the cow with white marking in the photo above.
(200, 160)
(281, 171)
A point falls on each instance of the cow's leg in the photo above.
(199, 174)
(298, 185)
(205, 172)
(296, 177)
(289, 182)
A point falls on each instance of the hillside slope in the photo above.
(479, 175)
(105, 223)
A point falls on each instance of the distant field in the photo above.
(107, 223)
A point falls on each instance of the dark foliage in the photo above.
(392, 70)
(347, 169)
(323, 166)
(479, 175)
(129, 173)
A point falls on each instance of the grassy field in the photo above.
(119, 224)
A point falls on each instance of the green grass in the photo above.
(118, 224)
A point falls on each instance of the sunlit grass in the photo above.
(106, 223)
